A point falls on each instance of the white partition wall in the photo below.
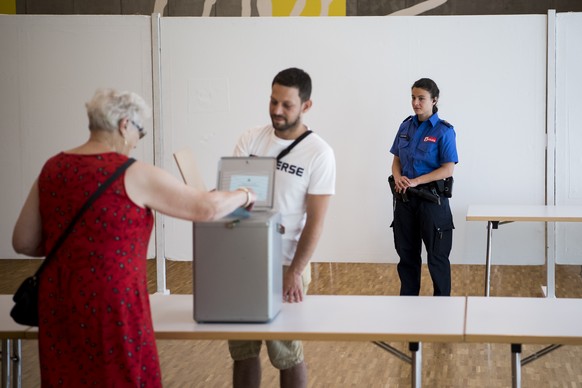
(568, 187)
(51, 66)
(215, 83)
(491, 70)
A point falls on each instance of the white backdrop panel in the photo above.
(568, 133)
(51, 66)
(217, 72)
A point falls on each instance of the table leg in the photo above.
(17, 363)
(488, 258)
(515, 365)
(416, 350)
(6, 359)
(551, 268)
(394, 351)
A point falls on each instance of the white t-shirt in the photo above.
(308, 169)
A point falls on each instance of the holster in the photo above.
(426, 193)
(400, 196)
(430, 191)
(445, 187)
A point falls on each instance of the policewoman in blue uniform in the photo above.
(425, 154)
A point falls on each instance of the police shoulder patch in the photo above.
(445, 122)
(406, 119)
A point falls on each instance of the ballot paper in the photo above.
(254, 173)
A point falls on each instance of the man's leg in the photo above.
(247, 373)
(294, 377)
(246, 370)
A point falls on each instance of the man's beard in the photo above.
(286, 125)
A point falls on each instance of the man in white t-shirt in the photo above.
(304, 183)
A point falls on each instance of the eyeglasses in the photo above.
(141, 131)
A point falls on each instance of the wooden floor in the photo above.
(355, 364)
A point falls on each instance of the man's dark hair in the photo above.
(295, 78)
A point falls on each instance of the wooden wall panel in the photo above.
(50, 7)
(137, 7)
(185, 8)
(101, 7)
(233, 7)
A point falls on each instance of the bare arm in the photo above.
(396, 168)
(27, 233)
(316, 208)
(152, 187)
(444, 171)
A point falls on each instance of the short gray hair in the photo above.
(109, 106)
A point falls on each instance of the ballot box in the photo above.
(238, 260)
(238, 268)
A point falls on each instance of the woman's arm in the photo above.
(402, 182)
(27, 233)
(152, 187)
(444, 171)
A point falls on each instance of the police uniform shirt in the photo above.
(424, 147)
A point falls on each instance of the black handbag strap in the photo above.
(82, 210)
(290, 147)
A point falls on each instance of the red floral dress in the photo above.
(95, 324)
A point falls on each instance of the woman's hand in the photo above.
(251, 198)
(403, 182)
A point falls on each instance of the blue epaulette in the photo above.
(445, 122)
(406, 119)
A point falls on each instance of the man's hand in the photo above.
(292, 287)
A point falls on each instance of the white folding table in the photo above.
(496, 215)
(518, 321)
(412, 319)
(335, 318)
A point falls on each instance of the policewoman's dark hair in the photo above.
(431, 87)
